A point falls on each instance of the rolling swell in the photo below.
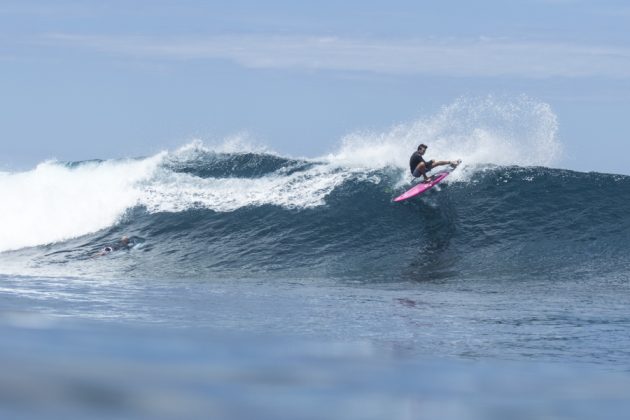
(497, 223)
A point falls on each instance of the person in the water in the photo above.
(124, 243)
(419, 167)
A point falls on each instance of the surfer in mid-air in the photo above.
(419, 167)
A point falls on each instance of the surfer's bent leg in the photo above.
(421, 171)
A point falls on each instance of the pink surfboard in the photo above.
(421, 187)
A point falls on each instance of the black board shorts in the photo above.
(428, 165)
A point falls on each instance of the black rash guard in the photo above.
(415, 160)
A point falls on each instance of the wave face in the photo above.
(307, 219)
(203, 212)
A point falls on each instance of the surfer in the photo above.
(124, 243)
(419, 167)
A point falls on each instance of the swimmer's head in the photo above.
(124, 240)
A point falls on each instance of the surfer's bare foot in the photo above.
(454, 163)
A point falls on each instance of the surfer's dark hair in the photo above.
(422, 146)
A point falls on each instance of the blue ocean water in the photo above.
(261, 286)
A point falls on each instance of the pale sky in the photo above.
(92, 79)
